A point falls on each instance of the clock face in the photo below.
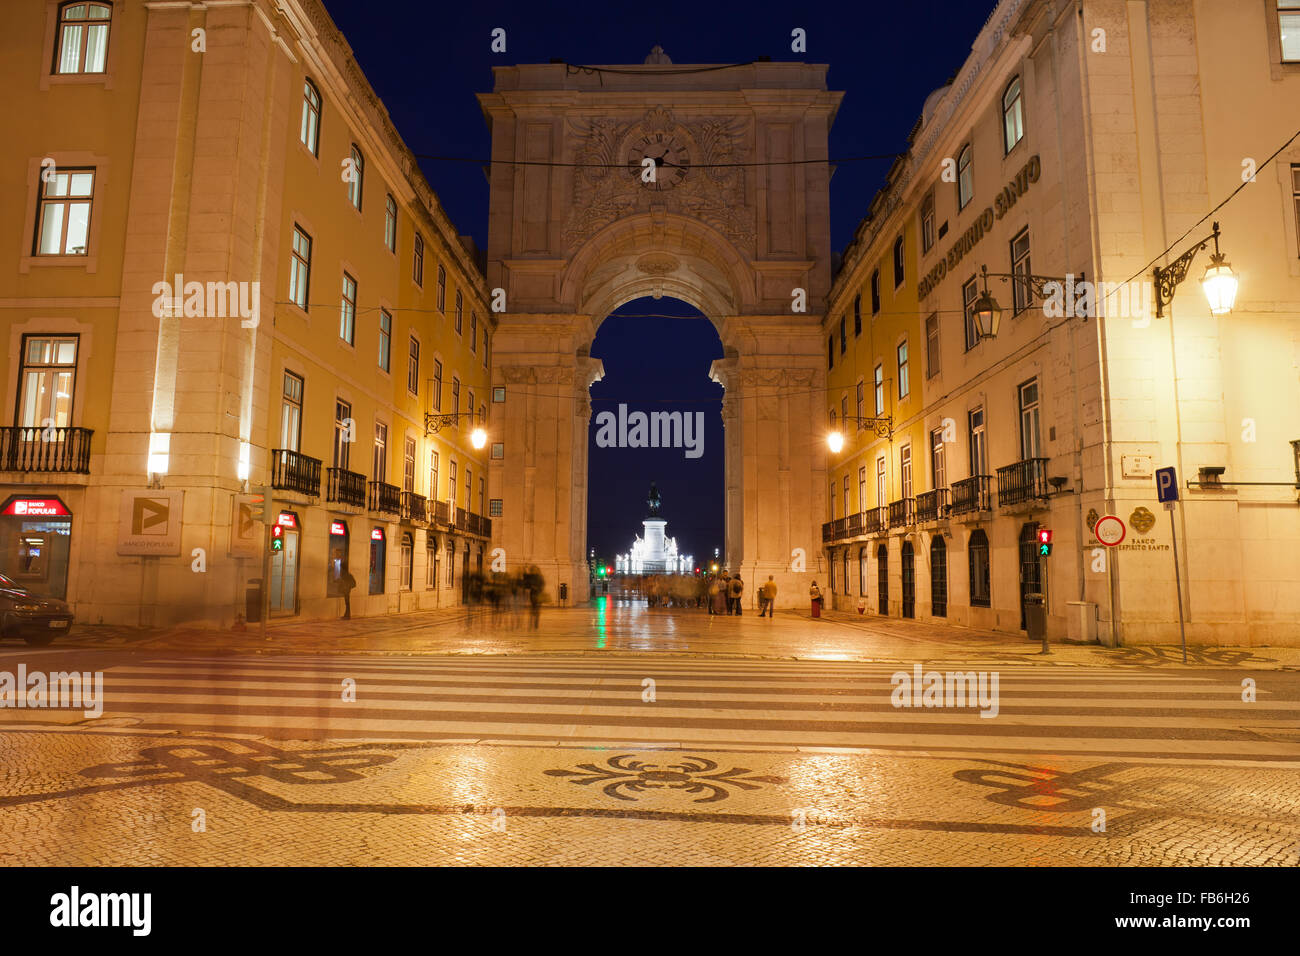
(670, 156)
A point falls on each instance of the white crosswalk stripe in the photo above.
(714, 703)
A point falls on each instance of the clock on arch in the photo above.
(670, 151)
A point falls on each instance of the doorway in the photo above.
(882, 578)
(284, 566)
(1032, 576)
(908, 563)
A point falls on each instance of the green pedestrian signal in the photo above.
(1044, 550)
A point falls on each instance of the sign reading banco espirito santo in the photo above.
(150, 522)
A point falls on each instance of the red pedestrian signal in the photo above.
(277, 538)
(1044, 535)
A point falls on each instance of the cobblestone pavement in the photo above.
(610, 624)
(576, 759)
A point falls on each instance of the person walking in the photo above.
(718, 595)
(713, 595)
(346, 583)
(815, 594)
(768, 596)
(736, 588)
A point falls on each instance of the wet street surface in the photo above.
(603, 743)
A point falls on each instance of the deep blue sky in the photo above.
(427, 60)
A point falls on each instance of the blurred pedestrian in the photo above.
(735, 589)
(767, 596)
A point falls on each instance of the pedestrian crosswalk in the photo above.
(654, 701)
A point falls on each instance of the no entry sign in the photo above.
(1110, 530)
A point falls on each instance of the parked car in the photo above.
(35, 618)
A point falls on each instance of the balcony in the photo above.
(440, 512)
(932, 505)
(384, 498)
(854, 527)
(828, 531)
(971, 495)
(479, 525)
(874, 520)
(292, 471)
(902, 513)
(413, 507)
(345, 487)
(65, 450)
(1023, 481)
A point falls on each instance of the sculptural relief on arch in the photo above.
(731, 220)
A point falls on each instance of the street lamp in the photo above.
(478, 438)
(836, 441)
(1219, 281)
(985, 311)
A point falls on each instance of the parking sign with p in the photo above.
(1166, 485)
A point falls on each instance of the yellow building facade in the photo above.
(228, 275)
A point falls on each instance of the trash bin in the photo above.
(1036, 616)
(253, 601)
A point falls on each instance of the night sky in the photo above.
(427, 61)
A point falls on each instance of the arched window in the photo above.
(431, 569)
(408, 559)
(357, 173)
(831, 562)
(1013, 117)
(82, 44)
(938, 576)
(882, 579)
(862, 571)
(898, 262)
(978, 553)
(847, 589)
(965, 178)
(309, 131)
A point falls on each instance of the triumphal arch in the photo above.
(734, 220)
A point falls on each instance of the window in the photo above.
(844, 408)
(380, 463)
(455, 397)
(460, 312)
(880, 482)
(309, 130)
(482, 414)
(377, 555)
(832, 501)
(433, 475)
(469, 487)
(473, 331)
(862, 488)
(413, 367)
(442, 289)
(1013, 119)
(830, 352)
(408, 465)
(857, 315)
(63, 216)
(390, 223)
(431, 562)
(831, 556)
(844, 338)
(965, 178)
(938, 576)
(1295, 179)
(356, 174)
(48, 376)
(342, 433)
(875, 291)
(938, 469)
(860, 406)
(831, 415)
(978, 549)
(1022, 295)
(880, 390)
(903, 385)
(905, 470)
(83, 38)
(1029, 447)
(470, 406)
(969, 293)
(927, 222)
(862, 571)
(417, 260)
(845, 557)
(451, 563)
(978, 449)
(385, 340)
(348, 311)
(481, 490)
(932, 346)
(898, 262)
(451, 484)
(300, 268)
(291, 413)
(494, 508)
(1288, 21)
(485, 346)
(436, 397)
(498, 449)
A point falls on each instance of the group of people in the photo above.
(508, 595)
(720, 593)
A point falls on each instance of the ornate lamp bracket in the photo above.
(1169, 277)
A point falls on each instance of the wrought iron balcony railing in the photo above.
(971, 494)
(294, 471)
(828, 531)
(30, 449)
(1022, 481)
(442, 513)
(932, 505)
(902, 513)
(384, 498)
(874, 520)
(413, 507)
(854, 526)
(345, 487)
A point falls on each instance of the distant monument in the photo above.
(654, 552)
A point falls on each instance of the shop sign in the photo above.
(36, 508)
(245, 527)
(287, 519)
(149, 522)
(338, 528)
(377, 534)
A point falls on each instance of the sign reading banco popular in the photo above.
(150, 522)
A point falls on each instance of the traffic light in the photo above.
(277, 538)
(1044, 542)
(257, 503)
